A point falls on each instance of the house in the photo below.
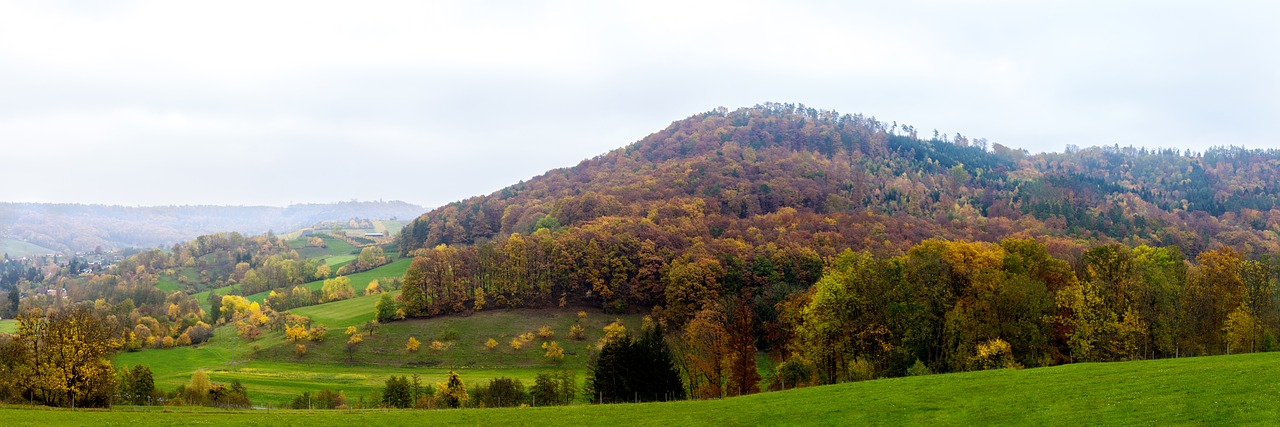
(373, 234)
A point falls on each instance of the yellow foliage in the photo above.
(554, 351)
(516, 344)
(412, 345)
(546, 333)
(490, 344)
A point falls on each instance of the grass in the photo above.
(8, 326)
(273, 374)
(17, 248)
(1226, 390)
(341, 314)
(358, 281)
(168, 284)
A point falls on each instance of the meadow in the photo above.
(17, 248)
(1236, 389)
(274, 374)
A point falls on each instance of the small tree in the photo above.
(397, 393)
(385, 309)
(490, 344)
(546, 333)
(412, 345)
(479, 301)
(554, 351)
(352, 344)
(577, 332)
(453, 393)
(300, 350)
(516, 344)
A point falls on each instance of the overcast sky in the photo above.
(268, 103)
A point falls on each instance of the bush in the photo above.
(554, 389)
(500, 392)
(918, 369)
(200, 333)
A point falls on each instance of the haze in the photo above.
(271, 103)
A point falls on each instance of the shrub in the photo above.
(412, 345)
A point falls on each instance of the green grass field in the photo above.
(358, 281)
(17, 248)
(168, 284)
(274, 374)
(8, 326)
(1220, 390)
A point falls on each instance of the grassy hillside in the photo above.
(8, 326)
(1236, 389)
(275, 375)
(17, 248)
(358, 281)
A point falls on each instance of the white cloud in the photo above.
(453, 99)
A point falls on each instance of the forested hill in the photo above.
(830, 181)
(84, 227)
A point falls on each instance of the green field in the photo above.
(358, 281)
(1220, 390)
(17, 248)
(275, 375)
(8, 326)
(168, 284)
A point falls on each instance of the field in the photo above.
(1239, 389)
(8, 326)
(17, 248)
(358, 281)
(275, 375)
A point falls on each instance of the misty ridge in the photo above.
(79, 227)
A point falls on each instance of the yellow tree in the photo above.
(707, 352)
(68, 351)
(412, 345)
(554, 351)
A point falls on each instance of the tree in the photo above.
(385, 310)
(627, 369)
(338, 288)
(453, 393)
(65, 357)
(198, 388)
(353, 342)
(137, 385)
(554, 351)
(490, 344)
(412, 345)
(396, 392)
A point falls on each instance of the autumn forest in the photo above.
(765, 248)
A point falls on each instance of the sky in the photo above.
(274, 102)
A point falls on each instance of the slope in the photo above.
(1208, 390)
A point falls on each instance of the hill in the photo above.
(85, 227)
(754, 201)
(17, 248)
(743, 166)
(269, 367)
(1204, 390)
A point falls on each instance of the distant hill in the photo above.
(759, 198)
(741, 166)
(85, 227)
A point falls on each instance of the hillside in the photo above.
(1206, 390)
(85, 227)
(744, 167)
